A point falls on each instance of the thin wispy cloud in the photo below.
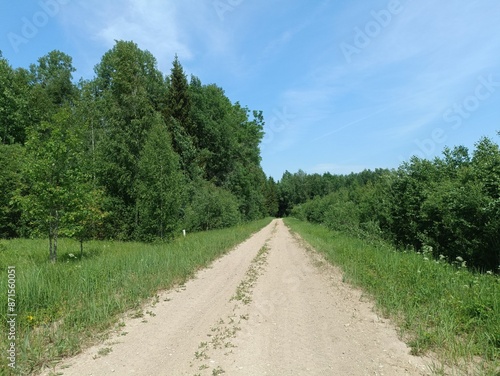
(427, 57)
(351, 111)
(153, 27)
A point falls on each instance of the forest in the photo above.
(447, 208)
(128, 155)
(133, 154)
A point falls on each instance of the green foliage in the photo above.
(11, 160)
(15, 97)
(439, 307)
(159, 185)
(271, 197)
(7, 102)
(211, 207)
(227, 139)
(450, 204)
(123, 155)
(213, 131)
(178, 98)
(128, 91)
(129, 79)
(53, 79)
(57, 197)
(295, 189)
(342, 216)
(242, 182)
(292, 191)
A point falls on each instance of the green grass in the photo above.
(62, 307)
(441, 309)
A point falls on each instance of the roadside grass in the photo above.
(63, 307)
(439, 308)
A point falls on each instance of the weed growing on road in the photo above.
(220, 339)
(439, 307)
(103, 352)
(201, 354)
(243, 291)
(218, 371)
(225, 330)
(73, 300)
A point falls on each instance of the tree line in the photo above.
(448, 207)
(131, 154)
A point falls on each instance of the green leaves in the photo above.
(159, 185)
(60, 197)
(211, 208)
(450, 205)
(178, 98)
(127, 155)
(11, 160)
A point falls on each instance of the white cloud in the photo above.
(153, 28)
(427, 58)
(192, 30)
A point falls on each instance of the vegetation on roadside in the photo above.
(440, 308)
(449, 206)
(131, 154)
(61, 307)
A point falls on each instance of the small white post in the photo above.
(184, 233)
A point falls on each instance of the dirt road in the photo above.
(270, 307)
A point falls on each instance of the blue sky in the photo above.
(344, 85)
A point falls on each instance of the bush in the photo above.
(211, 207)
(342, 216)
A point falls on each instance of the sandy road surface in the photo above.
(267, 308)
